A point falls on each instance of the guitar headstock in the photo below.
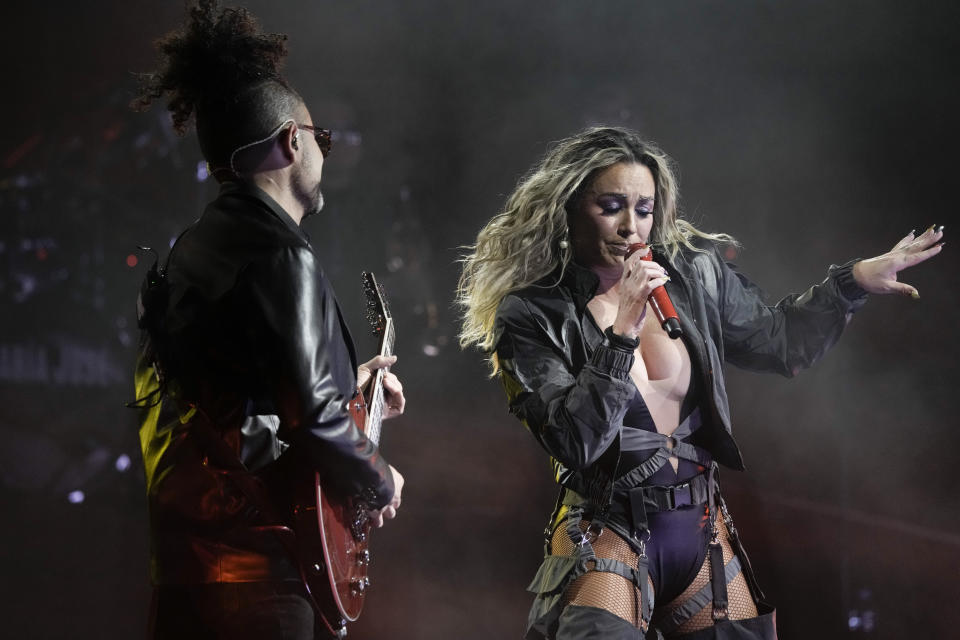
(378, 309)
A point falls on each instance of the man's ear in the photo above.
(289, 142)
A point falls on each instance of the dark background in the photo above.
(814, 132)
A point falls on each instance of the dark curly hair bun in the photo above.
(220, 68)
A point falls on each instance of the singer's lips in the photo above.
(619, 248)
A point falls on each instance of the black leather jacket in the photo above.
(569, 384)
(255, 348)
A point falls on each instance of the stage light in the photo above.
(75, 497)
(122, 463)
(132, 260)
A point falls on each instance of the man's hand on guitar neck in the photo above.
(393, 400)
(394, 404)
(390, 511)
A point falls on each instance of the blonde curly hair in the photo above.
(528, 239)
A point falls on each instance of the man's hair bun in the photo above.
(213, 57)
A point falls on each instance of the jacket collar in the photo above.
(581, 282)
(247, 189)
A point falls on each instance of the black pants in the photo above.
(235, 610)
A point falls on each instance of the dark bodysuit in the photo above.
(677, 543)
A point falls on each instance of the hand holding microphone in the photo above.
(659, 300)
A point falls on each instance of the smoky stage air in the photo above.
(813, 132)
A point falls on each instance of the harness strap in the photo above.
(578, 537)
(694, 491)
(633, 439)
(636, 576)
(644, 439)
(697, 602)
(638, 513)
(644, 500)
(575, 502)
(735, 542)
(718, 583)
(587, 556)
(622, 569)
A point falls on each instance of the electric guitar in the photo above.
(332, 535)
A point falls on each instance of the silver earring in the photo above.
(294, 143)
(564, 244)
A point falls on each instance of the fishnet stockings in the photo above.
(741, 605)
(617, 595)
(602, 589)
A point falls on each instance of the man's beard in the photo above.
(311, 199)
(315, 205)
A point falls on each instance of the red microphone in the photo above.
(660, 300)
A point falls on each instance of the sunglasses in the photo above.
(322, 136)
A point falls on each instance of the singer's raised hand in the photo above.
(879, 274)
(640, 277)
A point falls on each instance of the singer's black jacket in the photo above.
(570, 387)
(257, 357)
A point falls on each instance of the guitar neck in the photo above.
(377, 395)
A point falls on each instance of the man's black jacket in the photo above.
(254, 346)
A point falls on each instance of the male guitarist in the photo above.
(245, 356)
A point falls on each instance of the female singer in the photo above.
(636, 422)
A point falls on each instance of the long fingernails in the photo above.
(915, 294)
(930, 228)
(940, 230)
(913, 232)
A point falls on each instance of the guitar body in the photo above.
(331, 546)
(345, 537)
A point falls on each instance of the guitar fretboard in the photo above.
(377, 397)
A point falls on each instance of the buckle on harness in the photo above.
(671, 498)
(642, 542)
(593, 532)
(677, 496)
